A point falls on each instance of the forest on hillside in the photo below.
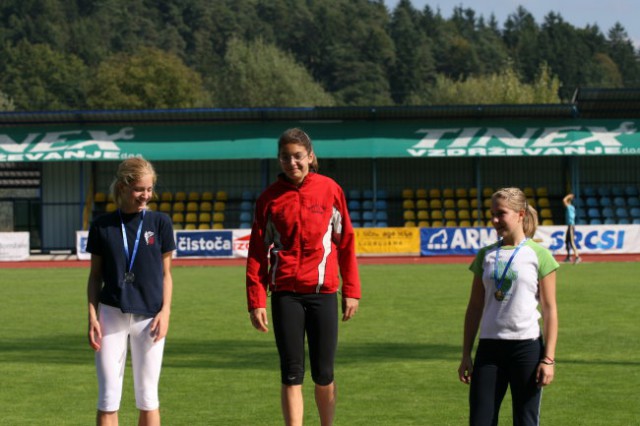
(146, 54)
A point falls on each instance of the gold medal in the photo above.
(499, 295)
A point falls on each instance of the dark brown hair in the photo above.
(299, 137)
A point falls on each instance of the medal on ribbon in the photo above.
(499, 294)
(129, 276)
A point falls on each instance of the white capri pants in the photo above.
(146, 359)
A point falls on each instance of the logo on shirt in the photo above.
(150, 238)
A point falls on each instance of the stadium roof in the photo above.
(586, 103)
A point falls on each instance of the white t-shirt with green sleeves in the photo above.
(517, 316)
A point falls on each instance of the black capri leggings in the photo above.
(500, 364)
(317, 315)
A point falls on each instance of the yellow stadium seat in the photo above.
(407, 193)
(206, 206)
(100, 197)
(178, 206)
(166, 196)
(437, 224)
(193, 196)
(422, 204)
(409, 224)
(423, 215)
(543, 203)
(450, 215)
(449, 203)
(218, 217)
(486, 203)
(204, 217)
(222, 196)
(545, 213)
(435, 193)
(218, 206)
(478, 223)
(487, 192)
(462, 203)
(436, 214)
(487, 214)
(473, 192)
(421, 193)
(409, 215)
(462, 193)
(190, 226)
(408, 204)
(435, 204)
(529, 192)
(464, 214)
(448, 193)
(423, 224)
(489, 224)
(192, 206)
(547, 222)
(178, 226)
(476, 214)
(191, 217)
(207, 196)
(180, 196)
(218, 226)
(165, 207)
(204, 225)
(473, 203)
(465, 224)
(532, 202)
(111, 207)
(542, 191)
(177, 218)
(153, 206)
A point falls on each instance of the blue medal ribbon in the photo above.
(499, 294)
(126, 243)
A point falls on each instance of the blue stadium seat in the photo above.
(381, 204)
(354, 215)
(381, 216)
(608, 213)
(636, 221)
(595, 222)
(381, 224)
(631, 191)
(367, 216)
(246, 217)
(368, 225)
(604, 191)
(381, 194)
(606, 201)
(635, 212)
(367, 205)
(610, 221)
(589, 191)
(617, 191)
(367, 194)
(245, 225)
(623, 222)
(633, 201)
(622, 213)
(619, 202)
(593, 213)
(354, 205)
(354, 194)
(246, 206)
(593, 202)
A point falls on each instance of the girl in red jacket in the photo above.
(302, 243)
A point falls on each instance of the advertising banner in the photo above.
(14, 246)
(241, 239)
(387, 241)
(595, 239)
(81, 245)
(204, 243)
(335, 139)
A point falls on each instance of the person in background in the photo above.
(302, 242)
(570, 236)
(511, 277)
(129, 292)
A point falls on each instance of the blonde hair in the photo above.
(299, 137)
(517, 201)
(129, 171)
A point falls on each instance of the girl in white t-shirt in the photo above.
(512, 277)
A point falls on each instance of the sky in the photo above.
(579, 13)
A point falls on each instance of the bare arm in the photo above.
(471, 324)
(546, 368)
(94, 285)
(567, 200)
(160, 324)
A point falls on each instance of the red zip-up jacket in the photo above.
(301, 241)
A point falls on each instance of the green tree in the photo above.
(39, 78)
(149, 79)
(520, 36)
(622, 52)
(414, 67)
(6, 103)
(501, 88)
(257, 74)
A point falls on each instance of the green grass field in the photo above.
(397, 359)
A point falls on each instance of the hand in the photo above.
(160, 326)
(349, 308)
(259, 319)
(544, 374)
(465, 370)
(95, 334)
